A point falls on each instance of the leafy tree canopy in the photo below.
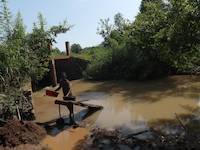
(163, 39)
(76, 48)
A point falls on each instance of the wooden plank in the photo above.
(78, 103)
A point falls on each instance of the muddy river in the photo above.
(131, 105)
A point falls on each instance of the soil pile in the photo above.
(25, 147)
(15, 133)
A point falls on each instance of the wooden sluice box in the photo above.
(90, 107)
(79, 103)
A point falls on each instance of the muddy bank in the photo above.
(15, 133)
(26, 147)
(183, 133)
(102, 139)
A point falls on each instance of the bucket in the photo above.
(51, 93)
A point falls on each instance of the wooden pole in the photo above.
(68, 49)
(18, 113)
(53, 73)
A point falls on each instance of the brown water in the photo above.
(130, 105)
(66, 140)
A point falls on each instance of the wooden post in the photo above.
(53, 73)
(68, 49)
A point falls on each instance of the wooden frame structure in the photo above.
(53, 62)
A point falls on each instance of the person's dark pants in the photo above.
(70, 106)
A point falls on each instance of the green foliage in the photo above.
(56, 52)
(38, 42)
(113, 35)
(143, 7)
(61, 28)
(76, 48)
(38, 45)
(100, 64)
(104, 30)
(5, 20)
(10, 93)
(13, 64)
(23, 56)
(163, 39)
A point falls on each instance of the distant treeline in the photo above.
(163, 39)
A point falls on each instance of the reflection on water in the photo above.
(132, 105)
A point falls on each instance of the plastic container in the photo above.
(51, 93)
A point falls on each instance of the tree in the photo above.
(19, 31)
(5, 20)
(119, 21)
(38, 44)
(13, 50)
(181, 35)
(163, 39)
(76, 48)
(113, 34)
(13, 63)
(23, 56)
(17, 45)
(56, 52)
(144, 2)
(104, 30)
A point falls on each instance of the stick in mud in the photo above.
(180, 122)
(135, 134)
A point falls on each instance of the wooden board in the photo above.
(79, 103)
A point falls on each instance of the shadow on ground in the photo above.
(53, 128)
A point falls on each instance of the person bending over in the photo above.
(67, 93)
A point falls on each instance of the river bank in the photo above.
(104, 139)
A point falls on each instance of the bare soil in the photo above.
(15, 133)
(25, 147)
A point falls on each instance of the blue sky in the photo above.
(83, 14)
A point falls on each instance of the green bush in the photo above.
(163, 39)
(99, 67)
(23, 56)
